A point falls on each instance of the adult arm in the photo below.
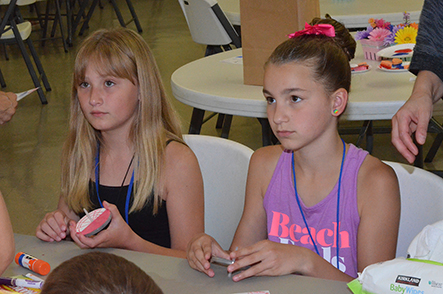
(427, 63)
(7, 237)
(415, 114)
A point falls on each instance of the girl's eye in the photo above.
(295, 98)
(270, 100)
(84, 85)
(109, 83)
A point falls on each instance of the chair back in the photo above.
(224, 165)
(208, 24)
(421, 195)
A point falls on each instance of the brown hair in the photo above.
(99, 273)
(328, 56)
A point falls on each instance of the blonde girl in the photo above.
(125, 152)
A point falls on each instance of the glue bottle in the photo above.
(34, 264)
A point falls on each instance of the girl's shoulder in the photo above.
(265, 159)
(177, 151)
(377, 183)
(268, 154)
(374, 171)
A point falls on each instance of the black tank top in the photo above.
(152, 228)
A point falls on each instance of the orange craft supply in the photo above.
(34, 264)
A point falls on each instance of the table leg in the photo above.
(268, 137)
(196, 121)
(418, 162)
(226, 126)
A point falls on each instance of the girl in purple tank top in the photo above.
(314, 205)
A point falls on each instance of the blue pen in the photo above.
(21, 283)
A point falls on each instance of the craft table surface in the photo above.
(174, 275)
(211, 84)
(353, 13)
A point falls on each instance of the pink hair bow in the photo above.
(318, 29)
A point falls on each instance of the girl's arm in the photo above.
(7, 237)
(379, 208)
(184, 199)
(252, 226)
(182, 185)
(55, 225)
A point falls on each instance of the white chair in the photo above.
(209, 26)
(421, 202)
(14, 30)
(224, 166)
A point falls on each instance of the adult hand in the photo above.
(200, 250)
(53, 227)
(412, 117)
(267, 258)
(8, 105)
(415, 114)
(117, 235)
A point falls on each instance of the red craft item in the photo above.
(93, 222)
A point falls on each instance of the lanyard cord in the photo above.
(131, 183)
(338, 204)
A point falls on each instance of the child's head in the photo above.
(99, 273)
(328, 57)
(124, 54)
(306, 83)
(120, 53)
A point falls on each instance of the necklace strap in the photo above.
(131, 183)
(297, 198)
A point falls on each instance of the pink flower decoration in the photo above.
(379, 34)
(380, 23)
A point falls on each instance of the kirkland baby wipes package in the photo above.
(400, 275)
(421, 273)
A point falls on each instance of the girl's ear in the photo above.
(340, 100)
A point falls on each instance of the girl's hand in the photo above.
(53, 227)
(117, 235)
(200, 250)
(267, 258)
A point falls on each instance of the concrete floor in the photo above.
(31, 143)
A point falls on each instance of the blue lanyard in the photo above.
(97, 180)
(338, 203)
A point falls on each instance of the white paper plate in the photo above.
(390, 52)
(360, 71)
(395, 70)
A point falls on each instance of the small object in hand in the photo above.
(221, 261)
(93, 222)
(22, 95)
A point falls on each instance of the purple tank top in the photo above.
(285, 223)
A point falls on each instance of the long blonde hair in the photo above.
(121, 53)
